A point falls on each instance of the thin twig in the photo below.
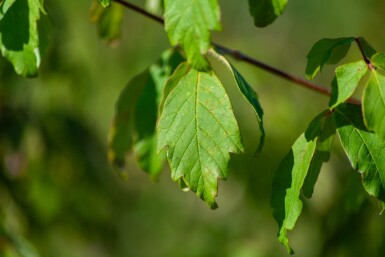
(245, 58)
(140, 10)
(366, 59)
(242, 57)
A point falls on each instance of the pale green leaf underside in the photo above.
(105, 3)
(19, 40)
(198, 128)
(188, 24)
(290, 178)
(265, 12)
(136, 115)
(374, 104)
(365, 150)
(326, 51)
(247, 91)
(347, 78)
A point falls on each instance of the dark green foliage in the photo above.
(265, 12)
(326, 51)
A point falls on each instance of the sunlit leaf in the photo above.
(347, 78)
(365, 150)
(374, 104)
(19, 40)
(188, 24)
(326, 51)
(108, 20)
(290, 177)
(265, 12)
(198, 128)
(247, 91)
(136, 115)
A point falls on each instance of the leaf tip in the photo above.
(282, 237)
(213, 206)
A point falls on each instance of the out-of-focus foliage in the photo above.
(265, 12)
(108, 20)
(59, 197)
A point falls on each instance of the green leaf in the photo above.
(290, 178)
(265, 12)
(136, 115)
(105, 3)
(198, 128)
(19, 41)
(327, 131)
(365, 150)
(378, 60)
(247, 91)
(108, 20)
(347, 78)
(188, 24)
(326, 51)
(374, 104)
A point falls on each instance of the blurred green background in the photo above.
(59, 197)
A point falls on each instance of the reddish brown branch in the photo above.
(245, 58)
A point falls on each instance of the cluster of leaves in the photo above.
(178, 109)
(360, 130)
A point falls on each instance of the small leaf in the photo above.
(136, 115)
(198, 128)
(347, 78)
(374, 104)
(326, 51)
(108, 20)
(105, 3)
(365, 150)
(265, 12)
(188, 24)
(247, 91)
(290, 178)
(378, 60)
(19, 40)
